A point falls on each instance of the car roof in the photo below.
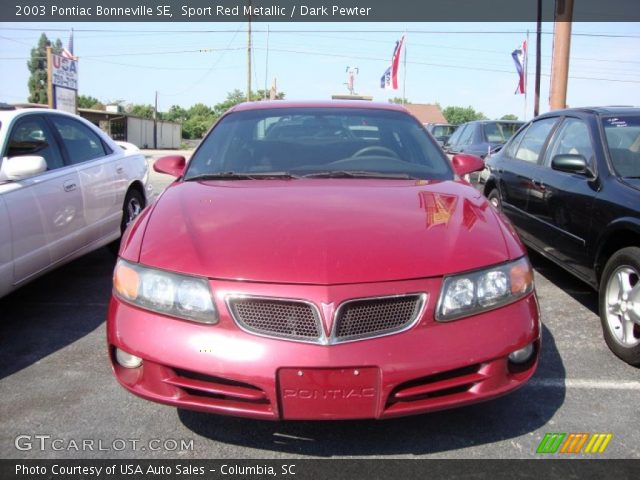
(496, 121)
(10, 114)
(604, 110)
(361, 104)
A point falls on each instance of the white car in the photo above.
(127, 146)
(66, 189)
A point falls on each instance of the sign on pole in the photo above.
(63, 82)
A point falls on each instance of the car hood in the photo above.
(323, 231)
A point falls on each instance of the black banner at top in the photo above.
(70, 11)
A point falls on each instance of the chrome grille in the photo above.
(292, 319)
(370, 317)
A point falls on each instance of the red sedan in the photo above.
(321, 261)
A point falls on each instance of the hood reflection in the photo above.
(439, 209)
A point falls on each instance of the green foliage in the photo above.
(509, 116)
(195, 120)
(37, 65)
(399, 101)
(458, 115)
(176, 114)
(87, 101)
(139, 110)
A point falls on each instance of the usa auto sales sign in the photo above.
(64, 72)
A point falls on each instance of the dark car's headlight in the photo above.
(473, 292)
(173, 294)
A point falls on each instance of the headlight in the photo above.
(168, 293)
(474, 292)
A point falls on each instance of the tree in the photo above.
(509, 116)
(37, 65)
(233, 98)
(87, 101)
(176, 114)
(260, 95)
(140, 110)
(398, 100)
(458, 115)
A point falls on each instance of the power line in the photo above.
(460, 67)
(439, 32)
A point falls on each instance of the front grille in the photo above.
(371, 317)
(292, 319)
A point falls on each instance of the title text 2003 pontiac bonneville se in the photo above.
(321, 261)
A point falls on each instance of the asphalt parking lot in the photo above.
(56, 384)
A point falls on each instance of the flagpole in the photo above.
(404, 79)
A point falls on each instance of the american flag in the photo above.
(519, 55)
(389, 80)
(68, 52)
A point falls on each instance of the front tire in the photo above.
(620, 304)
(131, 208)
(494, 199)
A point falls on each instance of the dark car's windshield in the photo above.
(318, 142)
(443, 130)
(500, 132)
(623, 141)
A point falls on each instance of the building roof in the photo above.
(426, 112)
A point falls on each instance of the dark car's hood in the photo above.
(632, 182)
(323, 231)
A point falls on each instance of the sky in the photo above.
(454, 64)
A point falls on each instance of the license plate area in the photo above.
(328, 393)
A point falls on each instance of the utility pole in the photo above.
(561, 47)
(249, 57)
(536, 97)
(155, 123)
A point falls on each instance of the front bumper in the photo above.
(222, 369)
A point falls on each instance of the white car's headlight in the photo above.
(173, 294)
(474, 292)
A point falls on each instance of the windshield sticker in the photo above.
(616, 122)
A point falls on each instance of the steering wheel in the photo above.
(375, 148)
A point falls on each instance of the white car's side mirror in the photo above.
(19, 168)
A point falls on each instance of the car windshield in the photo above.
(443, 130)
(318, 142)
(500, 132)
(623, 141)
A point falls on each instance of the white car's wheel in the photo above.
(131, 208)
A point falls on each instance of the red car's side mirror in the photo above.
(171, 165)
(464, 164)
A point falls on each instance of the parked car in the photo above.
(481, 137)
(440, 131)
(301, 276)
(64, 191)
(570, 182)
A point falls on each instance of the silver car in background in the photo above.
(66, 189)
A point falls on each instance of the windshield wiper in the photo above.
(240, 176)
(357, 174)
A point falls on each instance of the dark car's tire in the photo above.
(131, 208)
(620, 304)
(494, 199)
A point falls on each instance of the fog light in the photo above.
(522, 355)
(127, 360)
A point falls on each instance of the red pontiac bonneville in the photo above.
(321, 261)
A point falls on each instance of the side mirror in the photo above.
(171, 165)
(19, 168)
(570, 163)
(463, 164)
